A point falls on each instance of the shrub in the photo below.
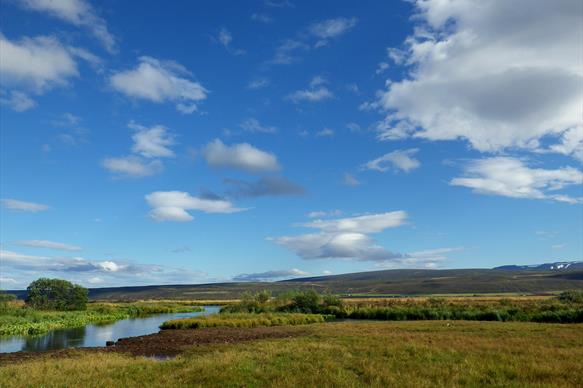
(244, 320)
(56, 294)
(574, 296)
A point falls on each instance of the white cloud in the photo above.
(285, 53)
(49, 245)
(160, 81)
(311, 95)
(152, 142)
(350, 180)
(381, 68)
(132, 166)
(270, 275)
(258, 83)
(15, 204)
(240, 157)
(356, 246)
(261, 17)
(113, 272)
(326, 132)
(173, 205)
(511, 177)
(400, 160)
(253, 125)
(77, 12)
(345, 238)
(321, 214)
(17, 101)
(38, 64)
(370, 223)
(225, 38)
(498, 74)
(330, 28)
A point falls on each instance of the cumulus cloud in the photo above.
(173, 205)
(511, 177)
(370, 223)
(241, 156)
(152, 142)
(23, 206)
(149, 143)
(270, 275)
(400, 160)
(49, 245)
(38, 64)
(132, 166)
(25, 268)
(275, 186)
(346, 238)
(77, 12)
(330, 28)
(160, 81)
(498, 74)
(355, 246)
(253, 125)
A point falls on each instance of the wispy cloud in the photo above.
(270, 275)
(49, 245)
(77, 12)
(23, 206)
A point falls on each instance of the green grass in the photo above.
(347, 354)
(566, 307)
(243, 320)
(22, 320)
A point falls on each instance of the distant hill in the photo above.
(507, 279)
(556, 266)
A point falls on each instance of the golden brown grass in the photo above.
(345, 354)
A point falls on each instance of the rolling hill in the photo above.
(507, 279)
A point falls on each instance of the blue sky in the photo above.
(197, 142)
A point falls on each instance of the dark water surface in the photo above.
(93, 335)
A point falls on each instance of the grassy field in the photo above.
(18, 319)
(566, 307)
(244, 320)
(345, 354)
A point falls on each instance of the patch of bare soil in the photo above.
(168, 343)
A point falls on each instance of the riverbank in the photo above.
(18, 319)
(363, 353)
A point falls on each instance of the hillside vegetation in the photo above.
(390, 282)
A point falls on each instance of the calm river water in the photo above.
(93, 335)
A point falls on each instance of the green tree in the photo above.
(56, 294)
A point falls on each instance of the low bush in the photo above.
(245, 320)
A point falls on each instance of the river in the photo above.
(93, 335)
